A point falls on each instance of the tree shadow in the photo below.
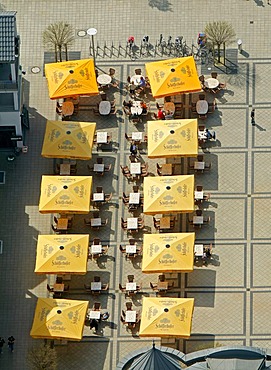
(259, 3)
(163, 5)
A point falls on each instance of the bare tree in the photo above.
(42, 357)
(58, 35)
(220, 33)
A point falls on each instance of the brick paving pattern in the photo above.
(232, 293)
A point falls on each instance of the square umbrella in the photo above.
(65, 194)
(74, 77)
(171, 138)
(173, 76)
(68, 139)
(59, 319)
(168, 194)
(166, 317)
(171, 252)
(62, 254)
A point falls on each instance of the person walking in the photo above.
(11, 341)
(2, 342)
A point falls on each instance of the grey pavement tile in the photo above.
(239, 158)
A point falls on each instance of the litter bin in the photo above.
(240, 43)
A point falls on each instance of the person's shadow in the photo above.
(260, 128)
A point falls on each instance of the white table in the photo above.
(98, 167)
(94, 315)
(202, 106)
(134, 198)
(96, 285)
(104, 79)
(198, 194)
(131, 286)
(101, 137)
(96, 248)
(132, 223)
(198, 250)
(130, 316)
(98, 197)
(130, 248)
(199, 165)
(198, 220)
(96, 221)
(104, 107)
(135, 168)
(211, 83)
(136, 108)
(137, 136)
(136, 79)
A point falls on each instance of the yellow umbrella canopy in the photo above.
(173, 76)
(168, 194)
(65, 194)
(172, 252)
(74, 77)
(166, 317)
(68, 139)
(171, 138)
(59, 319)
(62, 254)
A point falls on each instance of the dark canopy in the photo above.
(155, 359)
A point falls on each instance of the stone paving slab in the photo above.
(235, 219)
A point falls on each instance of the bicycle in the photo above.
(162, 44)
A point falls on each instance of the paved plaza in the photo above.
(232, 293)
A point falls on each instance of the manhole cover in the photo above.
(2, 177)
(35, 69)
(81, 33)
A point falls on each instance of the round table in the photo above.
(211, 83)
(136, 79)
(104, 79)
(169, 106)
(104, 107)
(202, 107)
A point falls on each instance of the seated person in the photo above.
(169, 115)
(133, 148)
(93, 324)
(105, 316)
(142, 83)
(144, 107)
(132, 87)
(160, 114)
(209, 135)
(128, 104)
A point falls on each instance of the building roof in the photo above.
(155, 359)
(7, 36)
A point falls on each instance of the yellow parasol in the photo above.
(62, 254)
(68, 139)
(59, 319)
(173, 76)
(173, 138)
(172, 252)
(166, 317)
(168, 194)
(74, 77)
(65, 194)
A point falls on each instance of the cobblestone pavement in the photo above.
(232, 293)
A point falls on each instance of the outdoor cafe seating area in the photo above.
(154, 173)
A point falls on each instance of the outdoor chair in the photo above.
(130, 278)
(111, 72)
(97, 279)
(87, 288)
(108, 197)
(96, 241)
(121, 288)
(129, 306)
(214, 74)
(107, 167)
(153, 286)
(97, 306)
(123, 250)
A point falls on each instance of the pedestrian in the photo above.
(11, 341)
(93, 324)
(2, 342)
(252, 116)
